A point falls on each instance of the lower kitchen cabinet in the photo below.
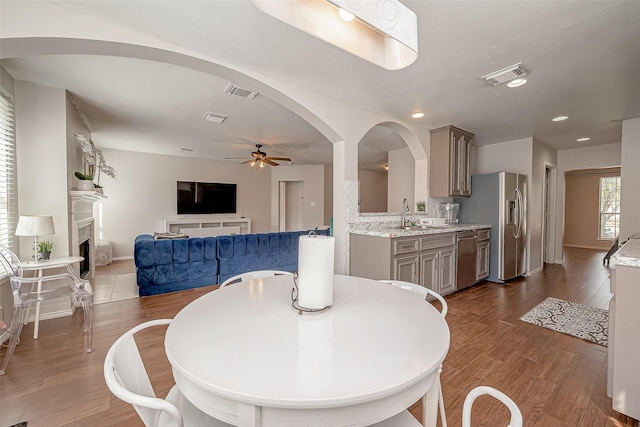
(428, 260)
(438, 270)
(482, 269)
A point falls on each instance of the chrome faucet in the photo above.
(405, 209)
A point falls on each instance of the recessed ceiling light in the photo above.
(517, 82)
(582, 139)
(417, 115)
(345, 16)
(560, 118)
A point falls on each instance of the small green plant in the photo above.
(421, 206)
(84, 177)
(45, 246)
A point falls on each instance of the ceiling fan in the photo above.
(260, 158)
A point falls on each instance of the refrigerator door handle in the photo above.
(519, 214)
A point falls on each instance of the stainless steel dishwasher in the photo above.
(467, 259)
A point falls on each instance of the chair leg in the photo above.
(87, 309)
(443, 416)
(16, 329)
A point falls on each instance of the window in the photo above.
(8, 188)
(609, 208)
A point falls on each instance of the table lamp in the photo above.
(35, 225)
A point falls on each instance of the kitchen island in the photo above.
(426, 255)
(623, 384)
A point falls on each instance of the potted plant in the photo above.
(85, 181)
(421, 206)
(44, 249)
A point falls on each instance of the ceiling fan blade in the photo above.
(286, 159)
(247, 161)
(269, 162)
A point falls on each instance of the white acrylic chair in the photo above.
(516, 415)
(127, 378)
(243, 277)
(26, 296)
(404, 418)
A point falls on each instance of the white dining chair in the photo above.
(250, 275)
(126, 377)
(516, 415)
(404, 418)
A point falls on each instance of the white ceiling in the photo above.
(583, 59)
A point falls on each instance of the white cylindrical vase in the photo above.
(85, 185)
(315, 271)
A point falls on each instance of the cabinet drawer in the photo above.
(483, 234)
(404, 246)
(437, 241)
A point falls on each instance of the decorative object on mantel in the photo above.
(578, 320)
(92, 160)
(34, 226)
(313, 289)
(44, 249)
(168, 235)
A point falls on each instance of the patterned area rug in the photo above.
(582, 321)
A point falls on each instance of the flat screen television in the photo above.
(205, 198)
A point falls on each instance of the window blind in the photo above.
(8, 173)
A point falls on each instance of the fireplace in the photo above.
(82, 244)
(85, 266)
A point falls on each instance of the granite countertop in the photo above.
(415, 231)
(628, 254)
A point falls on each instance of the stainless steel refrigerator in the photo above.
(499, 199)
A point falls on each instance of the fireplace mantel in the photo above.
(82, 225)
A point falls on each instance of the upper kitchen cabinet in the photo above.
(449, 174)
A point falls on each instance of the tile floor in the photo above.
(114, 284)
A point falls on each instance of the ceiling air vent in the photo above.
(238, 91)
(507, 74)
(214, 117)
(185, 150)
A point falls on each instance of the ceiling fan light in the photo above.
(261, 164)
(253, 163)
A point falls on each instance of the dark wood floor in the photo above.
(556, 379)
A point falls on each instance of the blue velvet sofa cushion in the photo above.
(263, 251)
(174, 264)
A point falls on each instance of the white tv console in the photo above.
(205, 225)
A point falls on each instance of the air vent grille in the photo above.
(504, 75)
(214, 117)
(238, 91)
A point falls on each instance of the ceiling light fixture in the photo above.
(385, 32)
(417, 115)
(507, 74)
(559, 118)
(582, 139)
(517, 82)
(345, 16)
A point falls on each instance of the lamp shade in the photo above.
(35, 225)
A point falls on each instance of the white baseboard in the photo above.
(122, 258)
(588, 247)
(536, 271)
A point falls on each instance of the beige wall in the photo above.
(581, 207)
(372, 191)
(630, 179)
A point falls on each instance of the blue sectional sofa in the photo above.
(177, 264)
(174, 264)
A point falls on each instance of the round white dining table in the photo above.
(244, 355)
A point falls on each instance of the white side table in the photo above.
(40, 266)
